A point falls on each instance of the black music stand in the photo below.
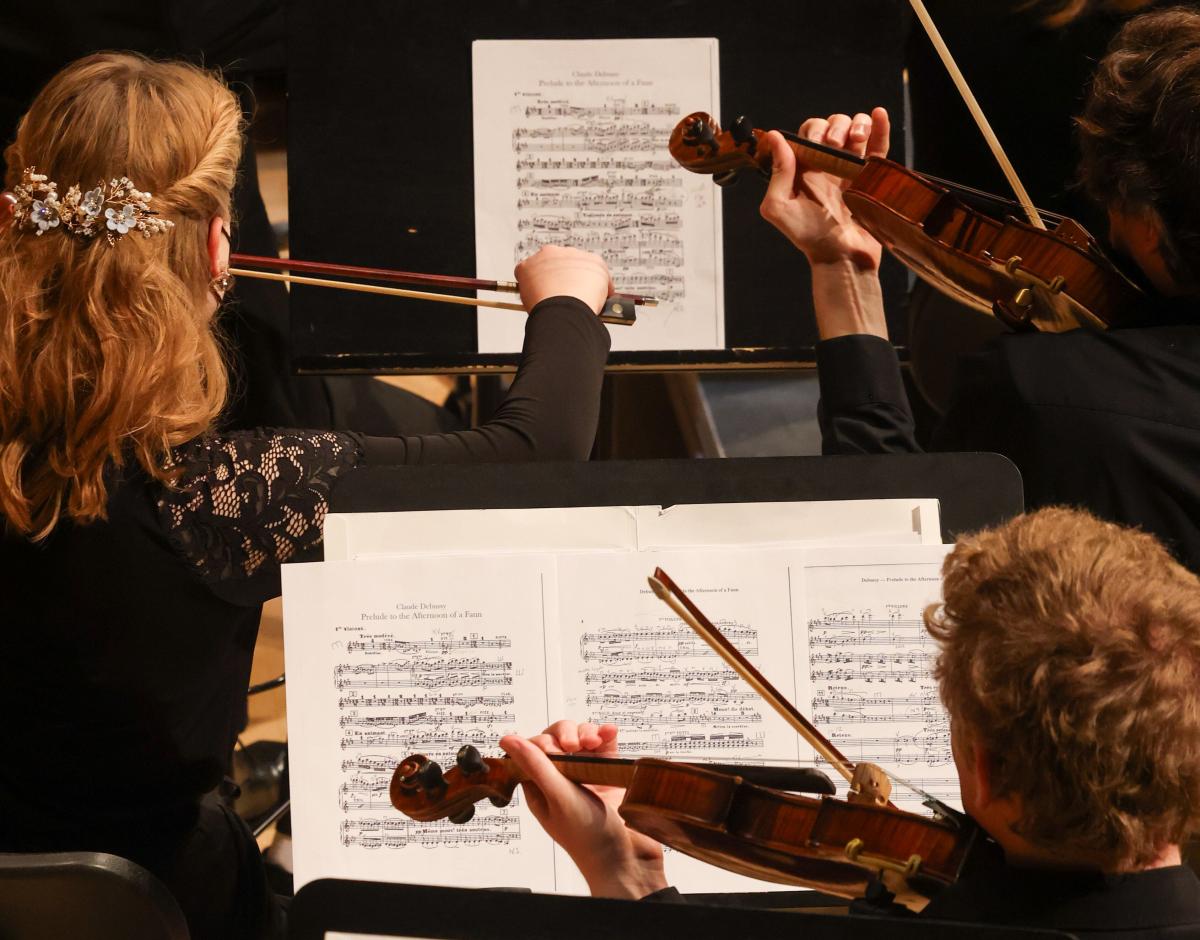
(364, 907)
(975, 490)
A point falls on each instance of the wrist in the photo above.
(631, 884)
(847, 298)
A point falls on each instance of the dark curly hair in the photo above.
(1070, 651)
(1139, 132)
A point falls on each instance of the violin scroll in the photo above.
(698, 144)
(969, 245)
(421, 791)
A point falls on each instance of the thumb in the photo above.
(783, 167)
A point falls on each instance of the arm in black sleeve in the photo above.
(864, 408)
(550, 412)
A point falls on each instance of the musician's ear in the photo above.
(1138, 233)
(975, 768)
(218, 246)
(984, 773)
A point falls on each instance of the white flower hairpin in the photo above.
(112, 209)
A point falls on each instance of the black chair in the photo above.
(84, 896)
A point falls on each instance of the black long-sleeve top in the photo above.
(128, 642)
(1109, 421)
(1133, 906)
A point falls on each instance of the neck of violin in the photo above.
(814, 156)
(599, 771)
(619, 771)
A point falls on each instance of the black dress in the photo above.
(128, 643)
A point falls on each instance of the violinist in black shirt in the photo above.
(1106, 420)
(1069, 664)
(138, 542)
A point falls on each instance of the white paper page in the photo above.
(869, 662)
(830, 522)
(365, 535)
(571, 149)
(626, 658)
(388, 658)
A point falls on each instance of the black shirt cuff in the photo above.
(858, 369)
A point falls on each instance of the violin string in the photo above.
(959, 188)
(938, 806)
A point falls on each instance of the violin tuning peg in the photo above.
(498, 801)
(463, 816)
(742, 130)
(728, 178)
(430, 777)
(470, 761)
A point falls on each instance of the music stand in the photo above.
(408, 911)
(974, 490)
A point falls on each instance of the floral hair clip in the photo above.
(112, 210)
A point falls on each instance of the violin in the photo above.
(965, 243)
(730, 817)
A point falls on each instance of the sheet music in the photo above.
(392, 658)
(626, 658)
(869, 661)
(571, 149)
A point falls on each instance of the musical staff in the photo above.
(664, 643)
(438, 642)
(608, 699)
(397, 832)
(353, 719)
(423, 673)
(684, 745)
(358, 700)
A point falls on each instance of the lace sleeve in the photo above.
(247, 502)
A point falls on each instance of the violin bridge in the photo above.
(870, 784)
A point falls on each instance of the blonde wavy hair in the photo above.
(1070, 650)
(108, 353)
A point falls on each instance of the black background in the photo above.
(380, 141)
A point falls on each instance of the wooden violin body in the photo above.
(719, 817)
(968, 245)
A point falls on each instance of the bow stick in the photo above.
(669, 592)
(981, 121)
(618, 309)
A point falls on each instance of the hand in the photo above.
(553, 272)
(807, 206)
(616, 861)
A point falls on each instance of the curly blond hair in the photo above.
(108, 353)
(1070, 651)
